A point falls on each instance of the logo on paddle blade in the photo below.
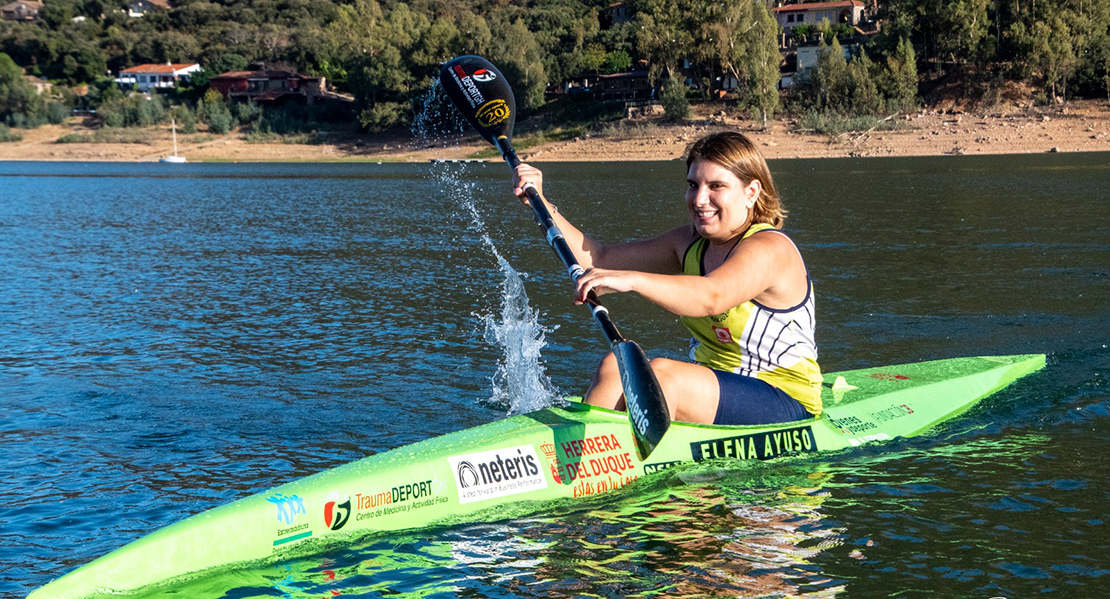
(492, 112)
(484, 75)
(336, 513)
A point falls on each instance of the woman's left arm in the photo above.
(765, 267)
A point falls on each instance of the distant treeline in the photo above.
(386, 53)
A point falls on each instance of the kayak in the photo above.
(575, 451)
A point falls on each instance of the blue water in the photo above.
(176, 337)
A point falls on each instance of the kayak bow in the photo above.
(569, 452)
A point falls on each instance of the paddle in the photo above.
(480, 92)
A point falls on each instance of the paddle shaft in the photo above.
(558, 243)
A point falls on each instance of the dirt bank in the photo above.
(1080, 126)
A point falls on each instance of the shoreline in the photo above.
(1079, 126)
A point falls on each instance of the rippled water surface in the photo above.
(176, 337)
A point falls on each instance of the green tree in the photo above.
(617, 61)
(830, 77)
(518, 54)
(1053, 53)
(864, 96)
(17, 97)
(763, 63)
(673, 98)
(726, 36)
(665, 33)
(898, 81)
(214, 111)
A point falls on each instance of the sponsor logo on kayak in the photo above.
(497, 473)
(400, 498)
(889, 376)
(336, 512)
(659, 467)
(552, 456)
(289, 508)
(852, 425)
(593, 465)
(758, 446)
(892, 413)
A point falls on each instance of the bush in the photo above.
(220, 120)
(56, 112)
(834, 124)
(673, 99)
(383, 115)
(107, 135)
(133, 111)
(22, 120)
(617, 61)
(186, 119)
(6, 135)
(246, 112)
(215, 112)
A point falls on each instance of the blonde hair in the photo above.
(735, 152)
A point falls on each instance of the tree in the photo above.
(17, 97)
(518, 53)
(726, 36)
(830, 78)
(864, 97)
(763, 63)
(673, 98)
(617, 61)
(84, 63)
(665, 36)
(1053, 53)
(898, 81)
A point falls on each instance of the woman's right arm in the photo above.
(660, 254)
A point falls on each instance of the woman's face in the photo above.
(719, 202)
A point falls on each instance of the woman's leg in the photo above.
(691, 390)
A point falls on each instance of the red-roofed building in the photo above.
(849, 12)
(147, 77)
(138, 8)
(269, 87)
(21, 10)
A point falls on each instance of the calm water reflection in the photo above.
(171, 340)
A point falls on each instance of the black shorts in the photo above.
(747, 400)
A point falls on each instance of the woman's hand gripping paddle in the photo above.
(484, 98)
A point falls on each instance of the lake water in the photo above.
(173, 338)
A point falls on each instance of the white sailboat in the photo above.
(175, 159)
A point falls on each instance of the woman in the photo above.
(737, 283)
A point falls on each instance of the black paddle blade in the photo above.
(481, 94)
(643, 397)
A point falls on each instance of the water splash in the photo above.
(521, 384)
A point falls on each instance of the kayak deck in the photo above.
(569, 452)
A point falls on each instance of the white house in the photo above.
(147, 77)
(808, 55)
(849, 12)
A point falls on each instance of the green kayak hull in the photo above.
(575, 451)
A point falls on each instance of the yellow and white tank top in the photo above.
(775, 346)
